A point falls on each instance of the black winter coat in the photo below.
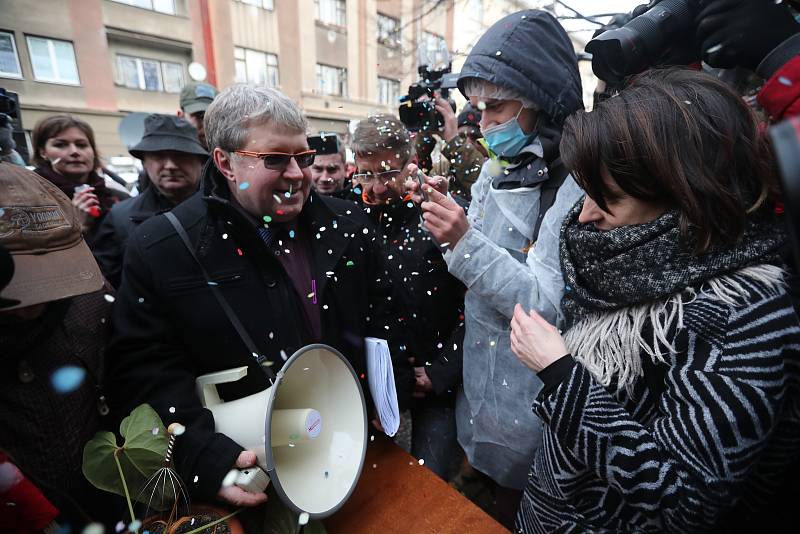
(169, 329)
(433, 297)
(44, 431)
(112, 236)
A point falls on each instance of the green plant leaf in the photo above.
(140, 456)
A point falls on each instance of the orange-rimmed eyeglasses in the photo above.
(277, 161)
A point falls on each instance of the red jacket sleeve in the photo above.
(780, 96)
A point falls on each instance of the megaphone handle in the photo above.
(252, 480)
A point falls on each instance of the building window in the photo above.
(388, 91)
(331, 80)
(435, 47)
(266, 4)
(162, 6)
(388, 31)
(254, 67)
(53, 60)
(331, 12)
(149, 74)
(9, 60)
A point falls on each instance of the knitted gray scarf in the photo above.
(618, 280)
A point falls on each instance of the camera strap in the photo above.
(226, 307)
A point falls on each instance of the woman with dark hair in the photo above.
(65, 153)
(671, 403)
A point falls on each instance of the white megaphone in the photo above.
(309, 429)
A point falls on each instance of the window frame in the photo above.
(271, 68)
(152, 8)
(394, 38)
(341, 82)
(259, 3)
(427, 37)
(54, 64)
(15, 50)
(181, 70)
(121, 79)
(396, 85)
(339, 10)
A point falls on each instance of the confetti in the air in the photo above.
(244, 185)
(68, 378)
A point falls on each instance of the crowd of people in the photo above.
(591, 315)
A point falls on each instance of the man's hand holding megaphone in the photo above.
(235, 495)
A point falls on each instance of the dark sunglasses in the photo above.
(278, 161)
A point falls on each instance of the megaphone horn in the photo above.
(308, 430)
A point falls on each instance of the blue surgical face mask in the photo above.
(507, 139)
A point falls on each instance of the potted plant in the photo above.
(144, 462)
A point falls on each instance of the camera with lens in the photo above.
(421, 115)
(659, 35)
(418, 108)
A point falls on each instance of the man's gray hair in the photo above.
(240, 107)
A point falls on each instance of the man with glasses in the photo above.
(294, 267)
(383, 151)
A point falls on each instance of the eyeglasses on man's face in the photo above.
(278, 161)
(365, 178)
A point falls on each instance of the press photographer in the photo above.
(443, 148)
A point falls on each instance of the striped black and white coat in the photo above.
(719, 433)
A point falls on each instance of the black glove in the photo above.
(741, 33)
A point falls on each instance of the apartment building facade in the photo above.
(102, 59)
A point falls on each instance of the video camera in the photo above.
(644, 40)
(435, 80)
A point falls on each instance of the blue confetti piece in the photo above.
(291, 234)
(357, 190)
(68, 378)
(244, 185)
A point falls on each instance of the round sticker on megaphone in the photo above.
(313, 423)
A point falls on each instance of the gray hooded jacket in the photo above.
(499, 259)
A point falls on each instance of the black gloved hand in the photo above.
(741, 33)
